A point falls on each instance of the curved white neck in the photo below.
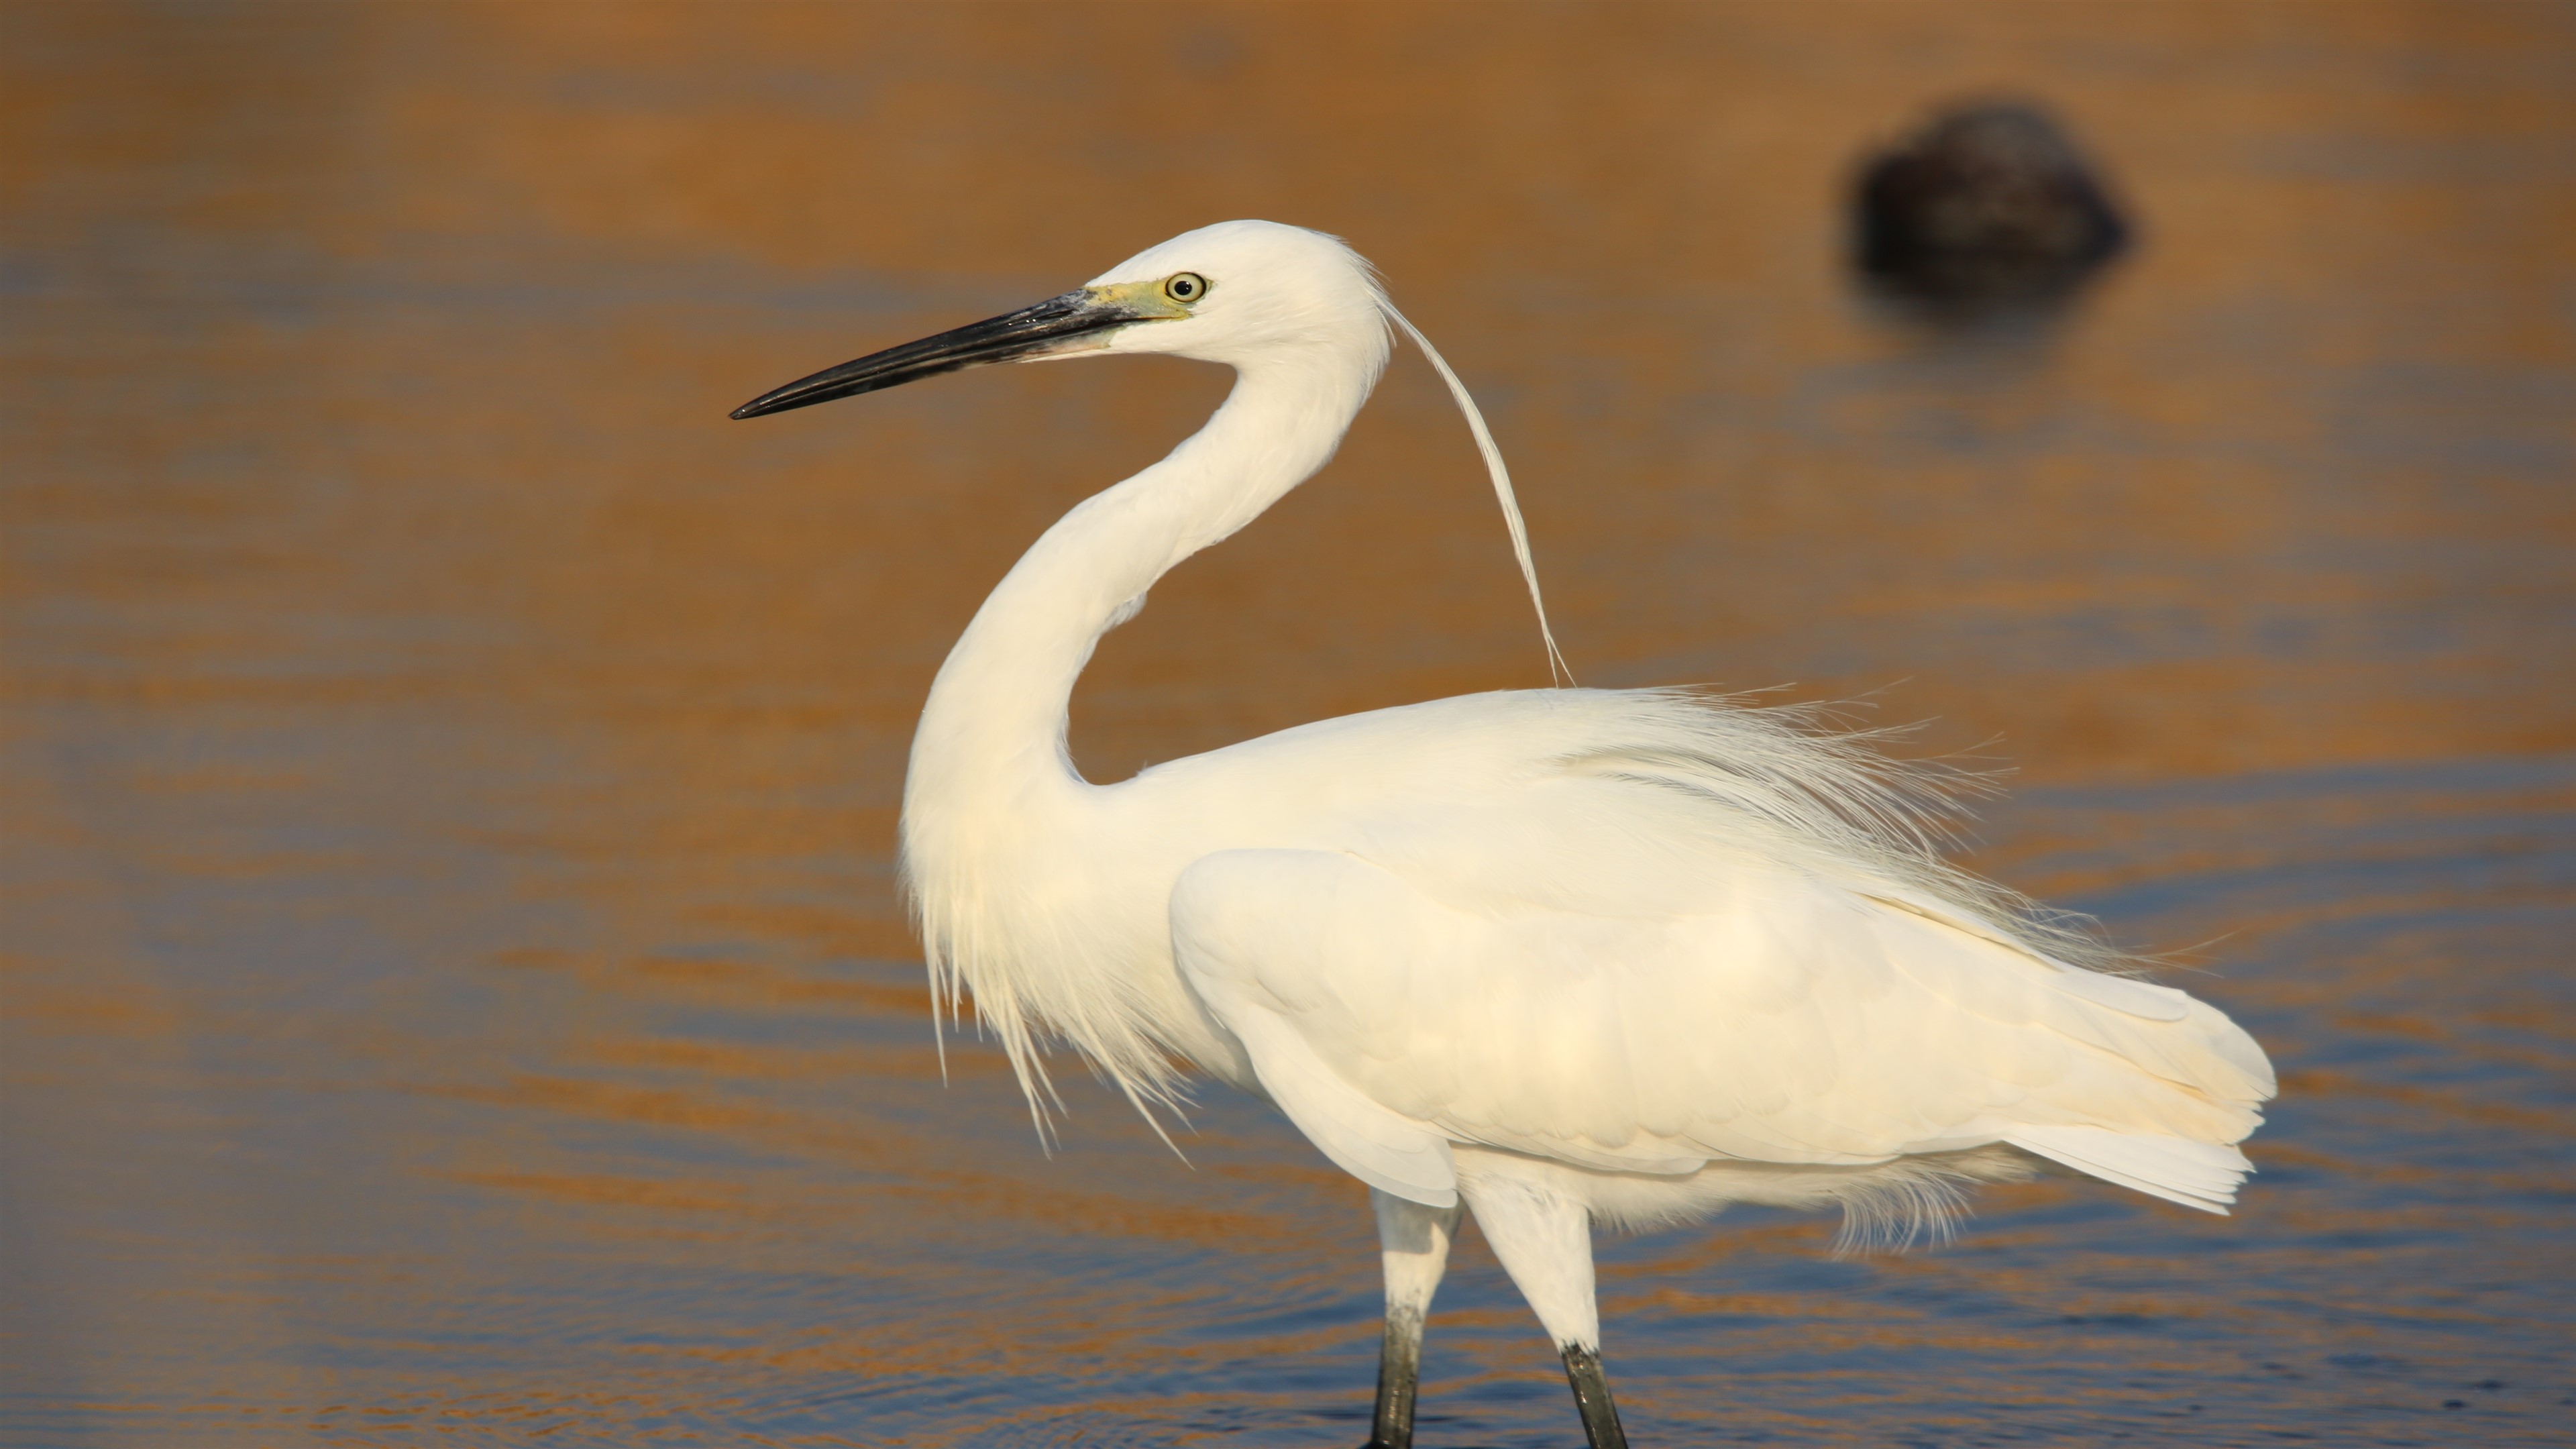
(994, 727)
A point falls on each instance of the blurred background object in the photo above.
(455, 988)
(1987, 204)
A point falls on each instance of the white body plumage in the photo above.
(1573, 954)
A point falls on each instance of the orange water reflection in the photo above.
(454, 983)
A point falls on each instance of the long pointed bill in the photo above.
(1078, 321)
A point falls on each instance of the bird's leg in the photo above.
(1399, 1381)
(1544, 1240)
(1414, 1240)
(1592, 1398)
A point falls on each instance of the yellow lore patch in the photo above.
(1143, 300)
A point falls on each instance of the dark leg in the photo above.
(1399, 1377)
(1414, 1244)
(1544, 1240)
(1592, 1398)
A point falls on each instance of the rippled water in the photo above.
(455, 991)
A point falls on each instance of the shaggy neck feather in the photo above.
(995, 815)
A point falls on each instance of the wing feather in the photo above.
(1217, 918)
(1784, 1020)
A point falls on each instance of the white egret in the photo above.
(1559, 956)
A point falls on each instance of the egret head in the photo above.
(1238, 292)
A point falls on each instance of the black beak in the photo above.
(1030, 332)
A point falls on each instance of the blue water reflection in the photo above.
(456, 989)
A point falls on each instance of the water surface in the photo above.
(455, 988)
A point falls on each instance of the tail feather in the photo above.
(2201, 1175)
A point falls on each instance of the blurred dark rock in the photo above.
(1988, 205)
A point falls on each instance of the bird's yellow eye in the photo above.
(1185, 286)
